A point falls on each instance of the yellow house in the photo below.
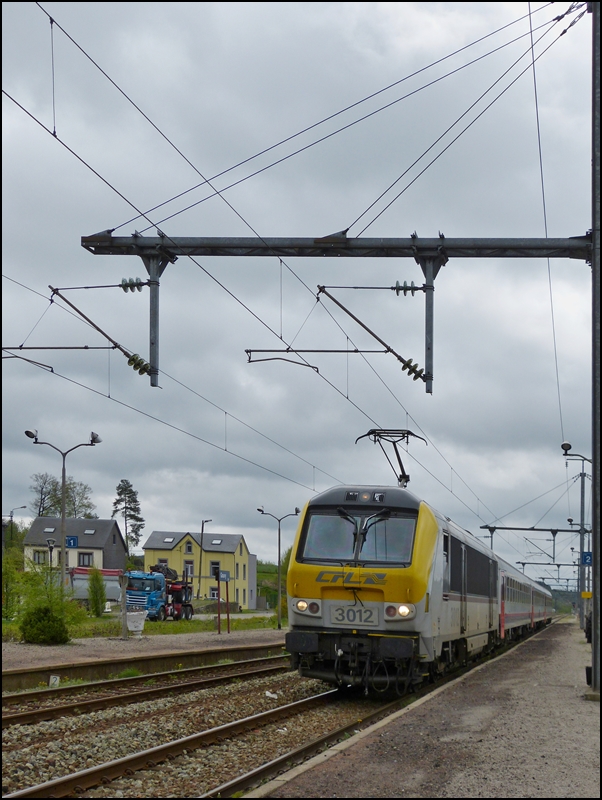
(223, 553)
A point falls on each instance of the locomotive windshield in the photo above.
(342, 535)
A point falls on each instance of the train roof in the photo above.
(390, 496)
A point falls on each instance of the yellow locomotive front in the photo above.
(357, 587)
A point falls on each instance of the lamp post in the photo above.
(203, 521)
(50, 542)
(566, 446)
(279, 520)
(94, 439)
(11, 521)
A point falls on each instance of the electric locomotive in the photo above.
(383, 591)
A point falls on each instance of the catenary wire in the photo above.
(306, 147)
(173, 427)
(234, 295)
(306, 129)
(53, 301)
(445, 132)
(455, 139)
(545, 223)
(323, 377)
(529, 15)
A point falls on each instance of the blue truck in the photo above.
(160, 593)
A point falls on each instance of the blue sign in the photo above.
(224, 575)
(71, 541)
(586, 559)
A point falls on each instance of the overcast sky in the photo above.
(223, 82)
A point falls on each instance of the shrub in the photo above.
(42, 625)
(97, 594)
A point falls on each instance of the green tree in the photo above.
(47, 491)
(97, 594)
(126, 504)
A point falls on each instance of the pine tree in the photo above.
(126, 504)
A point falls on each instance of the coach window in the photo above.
(446, 563)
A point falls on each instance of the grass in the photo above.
(110, 626)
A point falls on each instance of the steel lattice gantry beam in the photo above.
(431, 254)
(335, 246)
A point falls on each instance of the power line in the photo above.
(107, 183)
(454, 140)
(175, 380)
(306, 129)
(545, 224)
(200, 266)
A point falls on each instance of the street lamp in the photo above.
(50, 542)
(279, 520)
(11, 521)
(566, 446)
(203, 521)
(94, 439)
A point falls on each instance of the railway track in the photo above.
(129, 770)
(45, 704)
(224, 759)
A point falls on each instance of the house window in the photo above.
(237, 600)
(240, 551)
(237, 565)
(244, 597)
(213, 593)
(114, 538)
(162, 562)
(244, 572)
(214, 569)
(189, 547)
(85, 559)
(188, 569)
(89, 531)
(39, 556)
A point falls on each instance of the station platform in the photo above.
(517, 726)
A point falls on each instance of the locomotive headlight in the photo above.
(301, 605)
(404, 610)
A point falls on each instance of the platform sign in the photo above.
(224, 575)
(71, 541)
(586, 559)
